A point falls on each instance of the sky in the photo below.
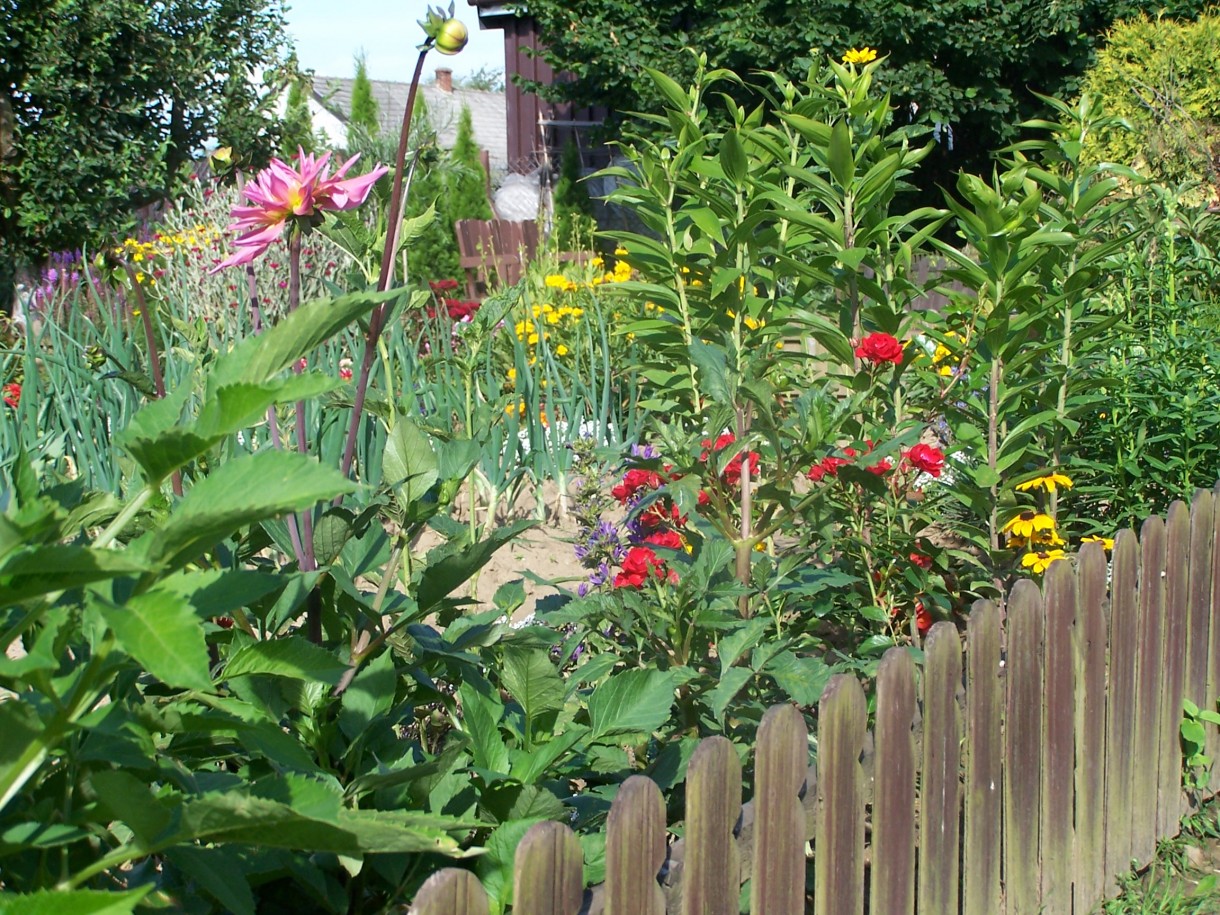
(330, 33)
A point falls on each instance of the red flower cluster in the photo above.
(460, 310)
(928, 458)
(731, 475)
(827, 467)
(634, 481)
(12, 394)
(641, 564)
(878, 348)
(441, 286)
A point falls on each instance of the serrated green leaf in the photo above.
(162, 631)
(290, 656)
(631, 702)
(240, 492)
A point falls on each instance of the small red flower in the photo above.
(923, 619)
(443, 285)
(883, 466)
(670, 540)
(635, 480)
(345, 374)
(828, 467)
(640, 564)
(919, 559)
(879, 347)
(12, 394)
(928, 458)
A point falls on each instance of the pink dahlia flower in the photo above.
(280, 192)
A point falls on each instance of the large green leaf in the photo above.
(533, 681)
(73, 902)
(409, 464)
(481, 715)
(54, 567)
(218, 872)
(162, 631)
(454, 569)
(240, 492)
(286, 657)
(631, 702)
(259, 359)
(237, 406)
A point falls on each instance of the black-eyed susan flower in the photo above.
(1048, 481)
(1028, 523)
(1106, 542)
(1040, 561)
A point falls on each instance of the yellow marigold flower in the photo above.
(1049, 482)
(577, 312)
(597, 262)
(1039, 562)
(512, 374)
(1028, 523)
(556, 280)
(650, 306)
(860, 55)
(1106, 542)
(532, 339)
(620, 251)
(561, 350)
(536, 311)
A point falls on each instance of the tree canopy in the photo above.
(967, 69)
(111, 99)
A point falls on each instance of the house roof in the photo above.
(487, 111)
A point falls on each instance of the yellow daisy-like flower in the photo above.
(1106, 542)
(561, 350)
(860, 55)
(1039, 562)
(1048, 538)
(1017, 543)
(556, 281)
(1029, 523)
(1048, 481)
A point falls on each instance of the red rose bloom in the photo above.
(12, 394)
(929, 459)
(670, 540)
(634, 481)
(639, 564)
(732, 471)
(879, 348)
(827, 467)
(882, 466)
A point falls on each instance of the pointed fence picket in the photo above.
(1024, 775)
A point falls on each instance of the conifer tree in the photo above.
(364, 115)
(466, 196)
(298, 124)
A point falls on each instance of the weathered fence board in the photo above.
(712, 871)
(1213, 652)
(778, 870)
(1022, 751)
(1171, 802)
(940, 793)
(1120, 708)
(635, 849)
(1090, 637)
(1199, 620)
(839, 845)
(1150, 686)
(982, 847)
(451, 892)
(1058, 745)
(892, 866)
(548, 872)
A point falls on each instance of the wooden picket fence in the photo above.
(1023, 776)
